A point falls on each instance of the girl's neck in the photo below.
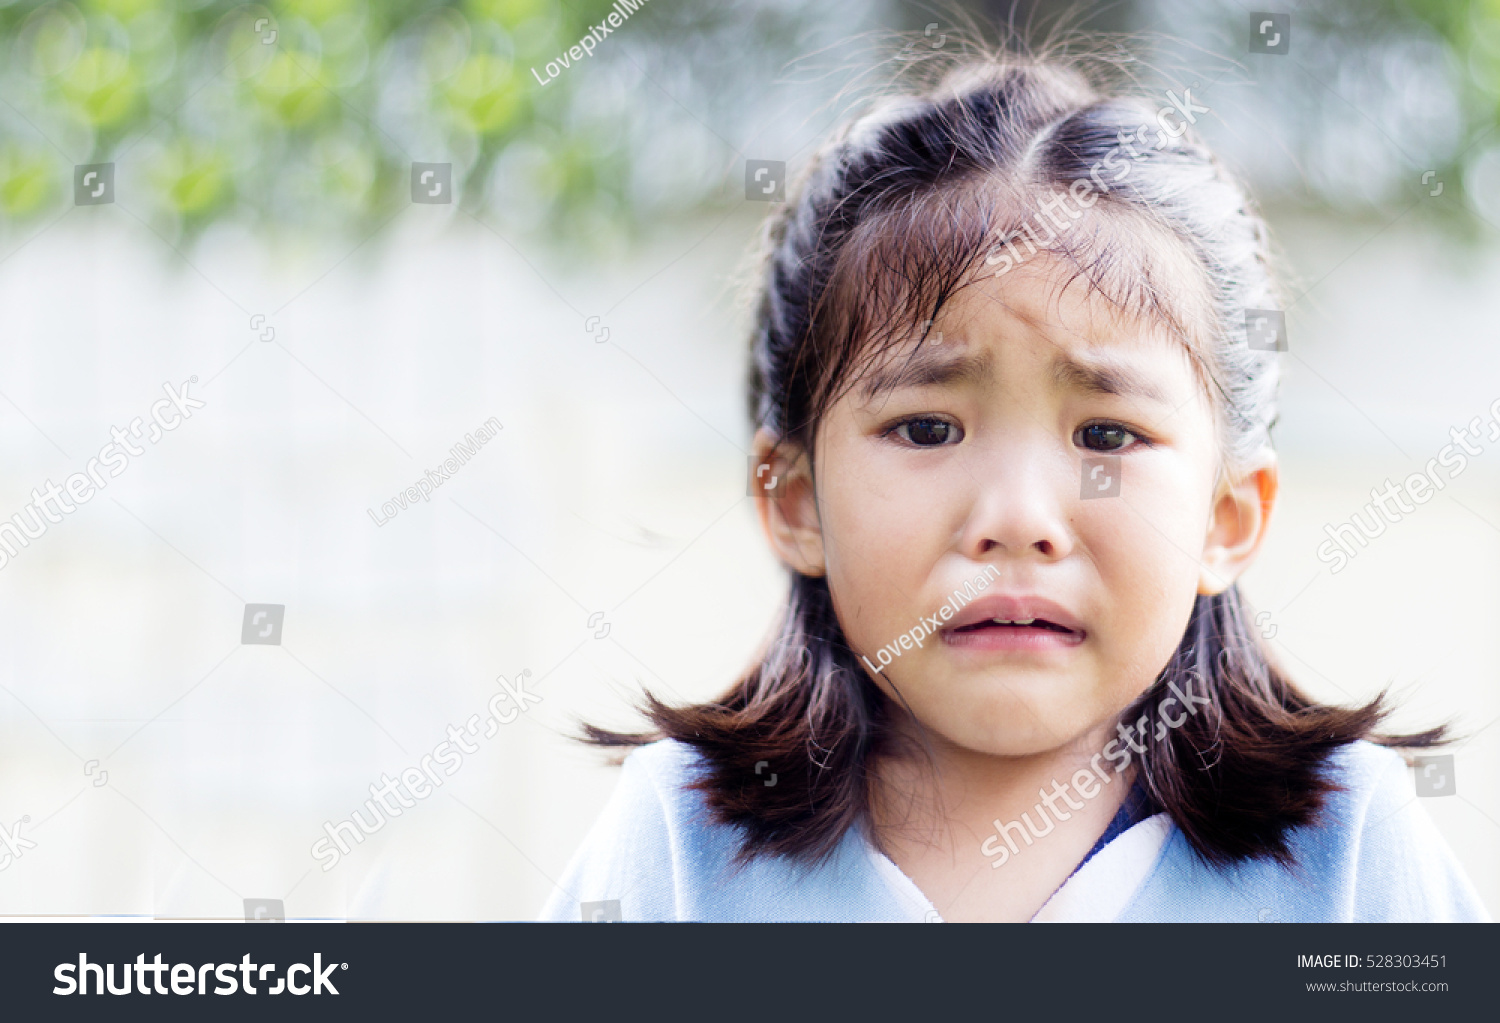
(947, 816)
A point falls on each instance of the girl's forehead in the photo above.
(1140, 369)
(908, 277)
(1112, 265)
(1040, 314)
(1049, 299)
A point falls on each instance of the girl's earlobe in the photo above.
(782, 485)
(1237, 525)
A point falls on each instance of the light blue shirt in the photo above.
(1376, 856)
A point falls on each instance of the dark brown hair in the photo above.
(897, 212)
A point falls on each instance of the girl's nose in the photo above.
(1020, 505)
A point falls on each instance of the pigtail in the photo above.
(1233, 750)
(784, 752)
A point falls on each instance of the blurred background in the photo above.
(254, 226)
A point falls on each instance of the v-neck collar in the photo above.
(1102, 890)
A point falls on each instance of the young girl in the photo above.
(1013, 408)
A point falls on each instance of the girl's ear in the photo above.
(1237, 524)
(781, 480)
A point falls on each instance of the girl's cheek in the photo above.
(882, 520)
(1144, 556)
(1112, 540)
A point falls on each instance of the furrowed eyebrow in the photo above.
(1104, 379)
(927, 368)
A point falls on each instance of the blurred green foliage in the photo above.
(1472, 29)
(301, 111)
(308, 113)
(1468, 36)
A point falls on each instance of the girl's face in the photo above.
(975, 458)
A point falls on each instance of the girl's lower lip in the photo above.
(1011, 637)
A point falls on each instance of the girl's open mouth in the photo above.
(1004, 622)
(1025, 623)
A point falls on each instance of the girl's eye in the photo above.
(1104, 437)
(928, 433)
